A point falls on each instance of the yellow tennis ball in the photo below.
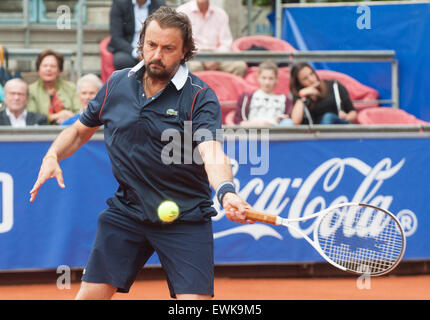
(168, 211)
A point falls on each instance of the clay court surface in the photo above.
(382, 288)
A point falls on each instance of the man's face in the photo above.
(162, 50)
(87, 91)
(16, 97)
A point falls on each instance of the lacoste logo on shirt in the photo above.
(172, 112)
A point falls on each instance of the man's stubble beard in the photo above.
(161, 74)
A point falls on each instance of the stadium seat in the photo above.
(229, 118)
(283, 85)
(227, 87)
(268, 42)
(387, 115)
(356, 90)
(106, 59)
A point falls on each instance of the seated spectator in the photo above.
(263, 107)
(14, 112)
(211, 32)
(87, 86)
(319, 102)
(126, 19)
(50, 95)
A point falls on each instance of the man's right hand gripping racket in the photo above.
(354, 237)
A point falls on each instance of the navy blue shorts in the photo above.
(123, 245)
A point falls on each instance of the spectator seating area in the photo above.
(387, 115)
(357, 91)
(267, 42)
(229, 87)
(106, 60)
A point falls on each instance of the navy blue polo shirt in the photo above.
(149, 142)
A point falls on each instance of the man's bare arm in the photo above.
(218, 169)
(66, 144)
(71, 139)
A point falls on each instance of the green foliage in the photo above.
(258, 3)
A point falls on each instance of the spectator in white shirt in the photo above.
(14, 112)
(211, 31)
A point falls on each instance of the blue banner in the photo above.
(401, 27)
(288, 178)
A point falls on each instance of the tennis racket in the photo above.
(354, 237)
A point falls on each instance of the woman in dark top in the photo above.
(318, 101)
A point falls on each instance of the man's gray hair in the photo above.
(13, 81)
(89, 78)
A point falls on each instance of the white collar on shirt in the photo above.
(147, 3)
(17, 122)
(179, 79)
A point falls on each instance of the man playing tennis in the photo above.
(136, 106)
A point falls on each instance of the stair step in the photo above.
(47, 35)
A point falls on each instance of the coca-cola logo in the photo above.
(273, 196)
(353, 220)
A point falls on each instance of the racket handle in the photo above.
(261, 217)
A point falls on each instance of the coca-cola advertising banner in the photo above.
(286, 178)
(303, 177)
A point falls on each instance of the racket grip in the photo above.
(261, 217)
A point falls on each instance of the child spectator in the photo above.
(263, 107)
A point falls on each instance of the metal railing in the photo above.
(300, 132)
(316, 56)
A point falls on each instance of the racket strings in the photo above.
(362, 242)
